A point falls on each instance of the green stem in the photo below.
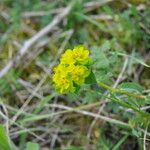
(115, 90)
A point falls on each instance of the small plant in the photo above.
(72, 70)
(75, 71)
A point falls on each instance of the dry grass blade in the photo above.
(27, 44)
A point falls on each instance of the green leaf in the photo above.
(4, 140)
(77, 88)
(148, 99)
(106, 45)
(120, 142)
(43, 102)
(91, 79)
(127, 105)
(101, 64)
(136, 133)
(131, 87)
(91, 96)
(32, 146)
(99, 58)
(72, 97)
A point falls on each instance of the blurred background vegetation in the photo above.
(117, 32)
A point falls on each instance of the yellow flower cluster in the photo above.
(71, 70)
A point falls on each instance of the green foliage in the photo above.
(43, 102)
(32, 146)
(99, 58)
(4, 140)
(104, 143)
(100, 62)
(131, 87)
(136, 133)
(147, 99)
(120, 142)
(78, 7)
(72, 97)
(91, 96)
(113, 32)
(9, 82)
(91, 79)
(133, 58)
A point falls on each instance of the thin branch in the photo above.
(29, 99)
(9, 120)
(78, 110)
(29, 14)
(87, 113)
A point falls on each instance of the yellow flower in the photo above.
(71, 70)
(64, 85)
(60, 70)
(67, 57)
(81, 55)
(78, 73)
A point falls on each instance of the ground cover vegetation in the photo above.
(74, 75)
